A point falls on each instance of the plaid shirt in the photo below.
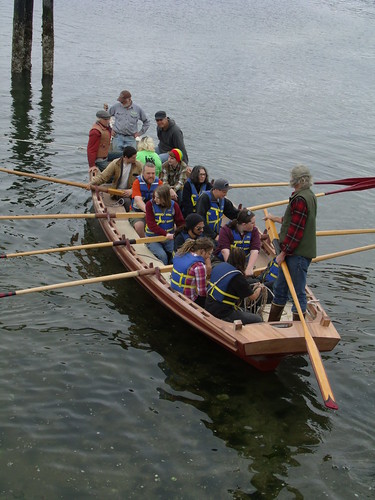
(198, 278)
(298, 210)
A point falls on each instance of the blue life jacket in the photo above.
(221, 276)
(271, 272)
(195, 194)
(146, 191)
(164, 217)
(215, 213)
(244, 243)
(181, 266)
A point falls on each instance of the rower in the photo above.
(240, 233)
(228, 286)
(189, 270)
(213, 205)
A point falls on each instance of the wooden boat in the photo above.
(262, 345)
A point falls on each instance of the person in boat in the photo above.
(98, 155)
(213, 205)
(228, 287)
(142, 191)
(192, 229)
(123, 172)
(240, 233)
(127, 114)
(170, 136)
(297, 242)
(189, 273)
(197, 183)
(174, 173)
(146, 153)
(162, 215)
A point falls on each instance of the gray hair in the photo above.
(300, 175)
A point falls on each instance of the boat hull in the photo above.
(262, 345)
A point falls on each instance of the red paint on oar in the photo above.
(360, 186)
(350, 181)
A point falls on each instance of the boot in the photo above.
(275, 312)
(296, 316)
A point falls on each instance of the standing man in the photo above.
(99, 141)
(123, 171)
(213, 205)
(170, 136)
(127, 114)
(297, 242)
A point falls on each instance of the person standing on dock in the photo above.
(127, 114)
(170, 136)
(297, 242)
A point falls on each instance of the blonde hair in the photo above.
(191, 245)
(146, 144)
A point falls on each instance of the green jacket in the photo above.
(307, 245)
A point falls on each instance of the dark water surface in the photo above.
(103, 394)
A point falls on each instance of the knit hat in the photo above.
(192, 220)
(103, 115)
(177, 153)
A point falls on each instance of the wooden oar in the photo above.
(361, 186)
(344, 232)
(82, 185)
(139, 241)
(346, 182)
(259, 184)
(117, 215)
(312, 349)
(342, 253)
(98, 279)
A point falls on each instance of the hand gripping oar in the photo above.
(360, 186)
(312, 349)
(98, 279)
(117, 215)
(82, 185)
(139, 241)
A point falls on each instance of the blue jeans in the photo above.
(163, 156)
(120, 141)
(163, 251)
(298, 267)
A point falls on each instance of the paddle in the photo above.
(139, 241)
(348, 182)
(98, 279)
(312, 349)
(360, 186)
(327, 256)
(117, 215)
(82, 185)
(344, 232)
(342, 253)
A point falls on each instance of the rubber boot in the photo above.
(296, 316)
(275, 312)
